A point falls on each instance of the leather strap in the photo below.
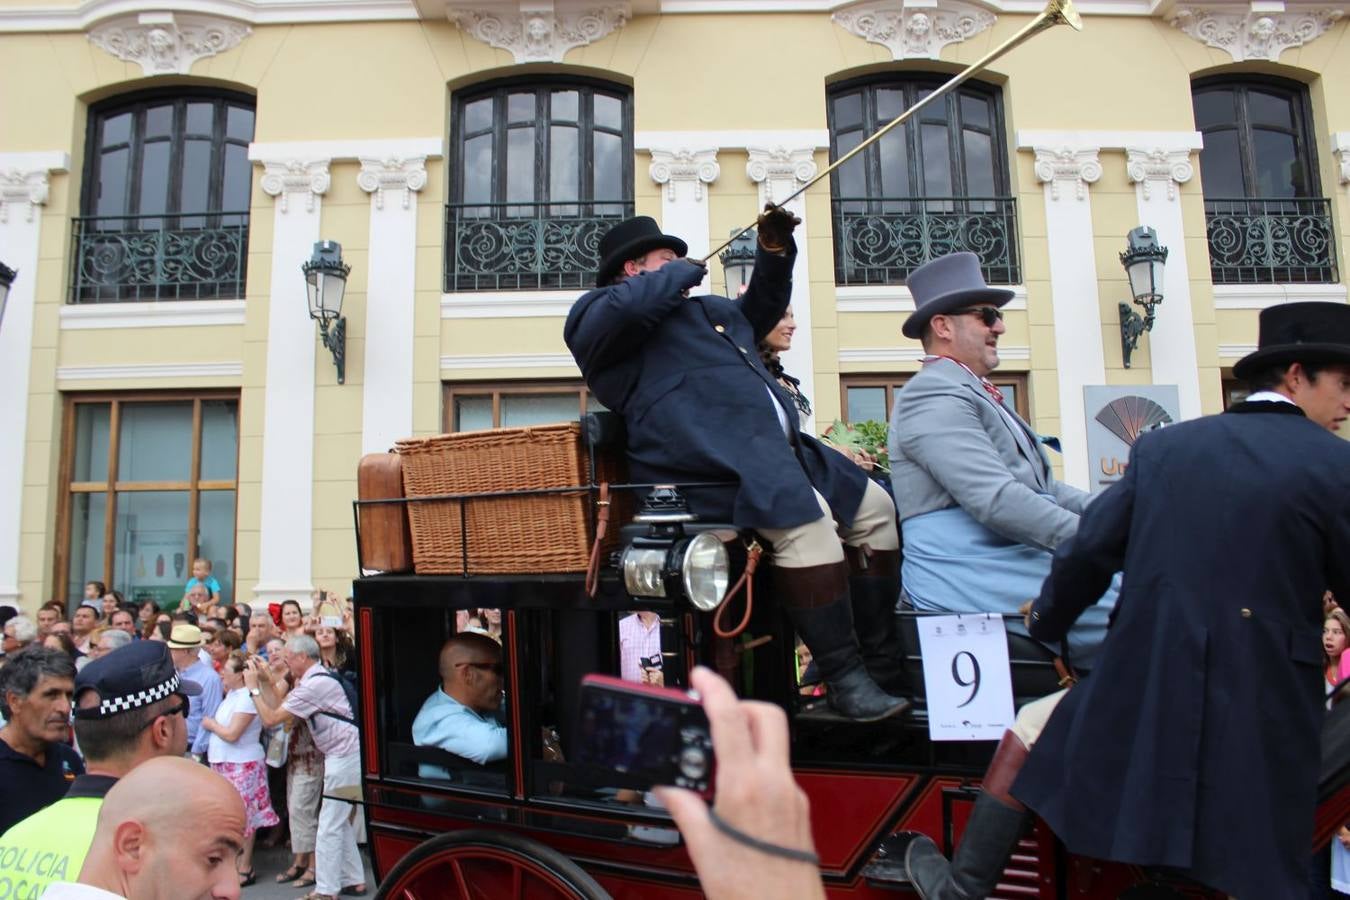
(601, 529)
(753, 552)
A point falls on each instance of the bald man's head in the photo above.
(471, 670)
(169, 829)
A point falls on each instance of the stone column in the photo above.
(285, 558)
(23, 193)
(387, 399)
(779, 171)
(684, 202)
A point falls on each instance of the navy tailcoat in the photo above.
(687, 378)
(1194, 744)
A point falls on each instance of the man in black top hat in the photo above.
(699, 406)
(1194, 744)
(130, 706)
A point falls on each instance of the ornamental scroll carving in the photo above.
(1150, 167)
(282, 178)
(670, 167)
(774, 166)
(1057, 166)
(27, 188)
(1247, 35)
(538, 32)
(404, 175)
(167, 43)
(914, 32)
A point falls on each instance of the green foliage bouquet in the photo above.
(868, 436)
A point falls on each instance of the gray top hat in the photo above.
(946, 284)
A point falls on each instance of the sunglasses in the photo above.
(180, 710)
(494, 668)
(988, 314)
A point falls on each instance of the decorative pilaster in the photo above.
(779, 172)
(537, 30)
(914, 31)
(684, 172)
(1245, 34)
(406, 175)
(166, 43)
(1155, 167)
(23, 188)
(307, 178)
(1067, 166)
(694, 167)
(1340, 145)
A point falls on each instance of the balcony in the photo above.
(526, 246)
(880, 241)
(1269, 241)
(166, 257)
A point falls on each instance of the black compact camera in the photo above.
(637, 735)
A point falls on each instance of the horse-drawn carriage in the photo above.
(536, 824)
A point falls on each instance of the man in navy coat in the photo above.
(1194, 744)
(699, 406)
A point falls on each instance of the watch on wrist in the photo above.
(255, 692)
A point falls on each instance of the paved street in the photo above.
(271, 863)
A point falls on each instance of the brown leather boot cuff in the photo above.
(1003, 769)
(810, 587)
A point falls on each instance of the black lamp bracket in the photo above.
(1133, 326)
(335, 340)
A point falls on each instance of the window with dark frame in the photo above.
(870, 397)
(474, 406)
(1265, 220)
(165, 206)
(936, 185)
(149, 482)
(542, 169)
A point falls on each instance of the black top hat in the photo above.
(1314, 331)
(945, 284)
(128, 678)
(630, 239)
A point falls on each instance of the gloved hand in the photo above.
(688, 273)
(775, 226)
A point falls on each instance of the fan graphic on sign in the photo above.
(1129, 417)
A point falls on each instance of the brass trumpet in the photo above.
(1056, 12)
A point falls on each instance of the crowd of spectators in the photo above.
(239, 693)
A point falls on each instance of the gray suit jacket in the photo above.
(951, 445)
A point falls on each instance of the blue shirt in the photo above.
(212, 585)
(204, 704)
(446, 723)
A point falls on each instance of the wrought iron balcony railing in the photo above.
(880, 241)
(526, 246)
(1270, 241)
(202, 256)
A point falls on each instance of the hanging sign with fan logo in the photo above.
(1117, 415)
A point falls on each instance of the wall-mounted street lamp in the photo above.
(326, 282)
(6, 279)
(738, 262)
(1143, 262)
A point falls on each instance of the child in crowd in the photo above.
(201, 574)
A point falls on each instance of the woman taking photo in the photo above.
(236, 752)
(304, 776)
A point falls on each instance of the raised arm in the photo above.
(610, 324)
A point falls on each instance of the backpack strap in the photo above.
(325, 673)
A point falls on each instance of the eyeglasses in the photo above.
(494, 668)
(180, 710)
(988, 314)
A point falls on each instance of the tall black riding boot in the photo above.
(996, 824)
(874, 585)
(817, 601)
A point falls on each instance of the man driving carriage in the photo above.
(699, 406)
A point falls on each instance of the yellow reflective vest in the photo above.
(51, 844)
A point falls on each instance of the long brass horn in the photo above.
(1056, 12)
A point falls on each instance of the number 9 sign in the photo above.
(966, 676)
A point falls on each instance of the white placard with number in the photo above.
(966, 676)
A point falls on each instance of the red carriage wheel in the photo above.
(487, 865)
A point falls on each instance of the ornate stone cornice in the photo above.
(1152, 166)
(406, 174)
(1245, 34)
(778, 164)
(29, 188)
(1067, 165)
(166, 43)
(670, 167)
(282, 178)
(538, 30)
(911, 32)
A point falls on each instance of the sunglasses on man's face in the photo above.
(988, 314)
(494, 668)
(180, 710)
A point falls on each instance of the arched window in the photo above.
(166, 198)
(1265, 218)
(541, 170)
(936, 185)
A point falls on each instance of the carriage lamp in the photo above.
(666, 562)
(326, 282)
(1143, 262)
(738, 261)
(6, 279)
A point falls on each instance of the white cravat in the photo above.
(1268, 397)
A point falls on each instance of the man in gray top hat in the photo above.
(971, 480)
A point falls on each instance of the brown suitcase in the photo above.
(386, 542)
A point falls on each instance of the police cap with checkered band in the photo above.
(129, 678)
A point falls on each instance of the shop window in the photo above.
(871, 397)
(150, 484)
(476, 406)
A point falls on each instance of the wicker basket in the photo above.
(522, 534)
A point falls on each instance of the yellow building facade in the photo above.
(166, 169)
